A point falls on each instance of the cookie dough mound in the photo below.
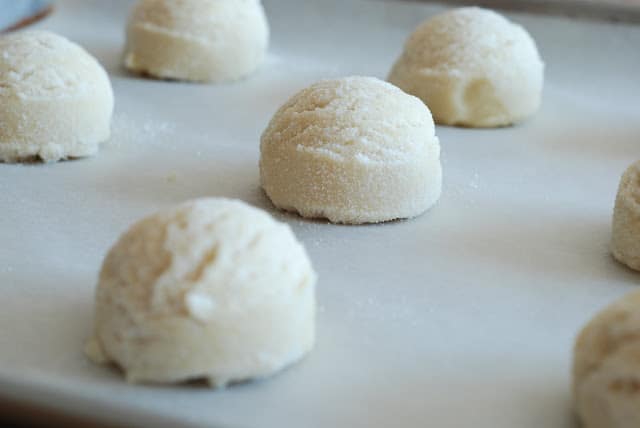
(56, 101)
(472, 67)
(353, 150)
(197, 40)
(211, 289)
(625, 244)
(606, 367)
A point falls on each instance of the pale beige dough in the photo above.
(625, 242)
(197, 40)
(352, 150)
(472, 67)
(606, 367)
(211, 289)
(56, 100)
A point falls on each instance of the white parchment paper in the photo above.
(464, 317)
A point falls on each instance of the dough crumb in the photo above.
(196, 40)
(606, 367)
(472, 67)
(56, 100)
(352, 150)
(210, 289)
(625, 241)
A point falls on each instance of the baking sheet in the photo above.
(15, 13)
(607, 10)
(462, 317)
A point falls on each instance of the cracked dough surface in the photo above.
(197, 40)
(56, 100)
(472, 67)
(625, 242)
(212, 288)
(352, 150)
(606, 367)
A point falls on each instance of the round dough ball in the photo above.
(606, 367)
(472, 67)
(56, 101)
(353, 150)
(211, 289)
(625, 243)
(197, 40)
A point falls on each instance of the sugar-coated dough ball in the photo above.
(352, 150)
(472, 67)
(606, 367)
(211, 289)
(56, 100)
(197, 40)
(625, 243)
